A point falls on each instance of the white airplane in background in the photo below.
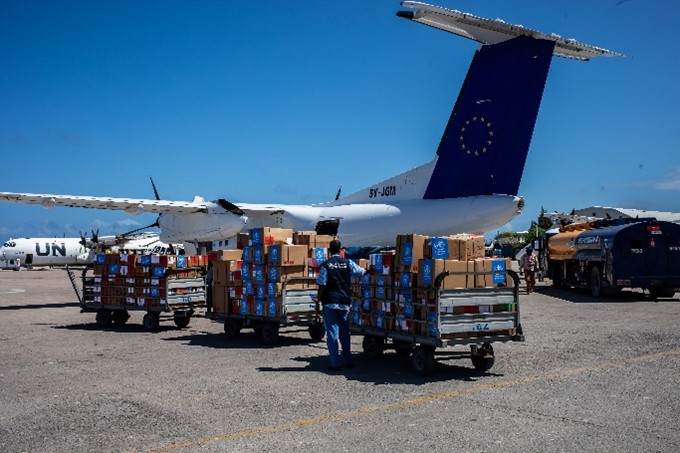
(47, 251)
(471, 185)
(36, 252)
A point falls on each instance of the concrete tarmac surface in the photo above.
(593, 375)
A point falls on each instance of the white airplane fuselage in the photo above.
(46, 251)
(360, 224)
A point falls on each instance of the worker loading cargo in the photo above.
(335, 294)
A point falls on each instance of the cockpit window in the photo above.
(9, 244)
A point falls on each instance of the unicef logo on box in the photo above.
(274, 254)
(427, 272)
(407, 256)
(259, 274)
(274, 274)
(243, 305)
(260, 294)
(405, 281)
(408, 310)
(255, 236)
(440, 248)
(271, 308)
(319, 255)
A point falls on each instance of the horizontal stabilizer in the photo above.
(489, 31)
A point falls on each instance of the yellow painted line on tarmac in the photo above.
(252, 432)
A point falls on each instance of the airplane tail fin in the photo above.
(486, 141)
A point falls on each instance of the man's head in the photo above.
(334, 246)
(530, 251)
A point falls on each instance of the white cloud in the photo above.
(671, 181)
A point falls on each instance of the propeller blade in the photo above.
(155, 191)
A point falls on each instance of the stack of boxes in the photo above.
(135, 281)
(400, 292)
(249, 281)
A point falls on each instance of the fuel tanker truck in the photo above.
(609, 255)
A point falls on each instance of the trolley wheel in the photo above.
(662, 292)
(151, 321)
(182, 321)
(317, 331)
(373, 346)
(120, 317)
(422, 360)
(403, 348)
(104, 318)
(595, 282)
(231, 328)
(270, 333)
(482, 357)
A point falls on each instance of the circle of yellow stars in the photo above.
(485, 145)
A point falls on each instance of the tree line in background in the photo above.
(511, 242)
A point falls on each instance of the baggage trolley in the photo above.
(181, 292)
(474, 317)
(294, 307)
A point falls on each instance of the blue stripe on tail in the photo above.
(485, 144)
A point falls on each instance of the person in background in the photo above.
(335, 294)
(529, 264)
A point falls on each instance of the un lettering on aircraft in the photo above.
(51, 249)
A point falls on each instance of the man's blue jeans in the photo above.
(337, 328)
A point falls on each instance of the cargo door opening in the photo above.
(328, 227)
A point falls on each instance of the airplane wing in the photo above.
(132, 206)
(488, 31)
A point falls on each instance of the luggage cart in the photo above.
(474, 317)
(181, 296)
(295, 307)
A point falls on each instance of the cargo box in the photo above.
(270, 236)
(287, 255)
(410, 249)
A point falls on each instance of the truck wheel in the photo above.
(422, 360)
(662, 292)
(556, 276)
(317, 331)
(595, 282)
(482, 358)
(270, 333)
(103, 318)
(151, 321)
(373, 346)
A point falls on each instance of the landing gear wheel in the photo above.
(270, 333)
(151, 321)
(182, 321)
(595, 282)
(103, 318)
(317, 331)
(482, 357)
(422, 360)
(231, 328)
(373, 346)
(120, 317)
(403, 348)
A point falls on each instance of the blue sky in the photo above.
(284, 102)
